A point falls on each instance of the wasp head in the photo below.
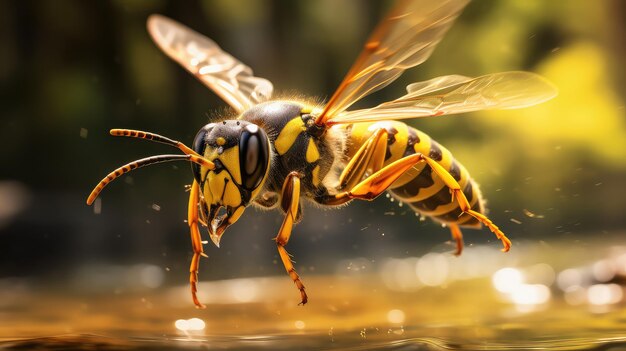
(241, 154)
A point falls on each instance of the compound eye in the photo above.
(253, 156)
(199, 144)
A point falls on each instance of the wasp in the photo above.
(274, 153)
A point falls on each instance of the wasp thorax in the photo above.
(241, 154)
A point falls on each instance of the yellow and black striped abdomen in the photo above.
(420, 188)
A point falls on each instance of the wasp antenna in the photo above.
(154, 137)
(141, 163)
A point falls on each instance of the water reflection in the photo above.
(484, 299)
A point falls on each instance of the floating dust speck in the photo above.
(531, 214)
(156, 207)
(129, 180)
(390, 213)
(84, 132)
(362, 229)
(516, 221)
(299, 325)
(363, 333)
(97, 206)
(598, 184)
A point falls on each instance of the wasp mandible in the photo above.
(272, 153)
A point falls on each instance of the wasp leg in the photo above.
(370, 156)
(202, 214)
(457, 235)
(290, 202)
(196, 242)
(464, 205)
(375, 184)
(378, 182)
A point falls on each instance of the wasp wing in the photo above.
(228, 77)
(404, 39)
(457, 94)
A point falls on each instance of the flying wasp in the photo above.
(272, 153)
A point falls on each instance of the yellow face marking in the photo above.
(315, 175)
(232, 196)
(222, 189)
(220, 141)
(230, 160)
(306, 109)
(236, 214)
(288, 135)
(210, 154)
(208, 195)
(312, 154)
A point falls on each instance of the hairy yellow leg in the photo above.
(290, 200)
(371, 155)
(196, 242)
(457, 235)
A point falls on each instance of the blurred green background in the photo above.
(72, 70)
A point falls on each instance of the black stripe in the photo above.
(412, 139)
(468, 190)
(455, 170)
(391, 139)
(453, 216)
(442, 197)
(435, 151)
(412, 188)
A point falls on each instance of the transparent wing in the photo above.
(230, 79)
(457, 94)
(404, 39)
